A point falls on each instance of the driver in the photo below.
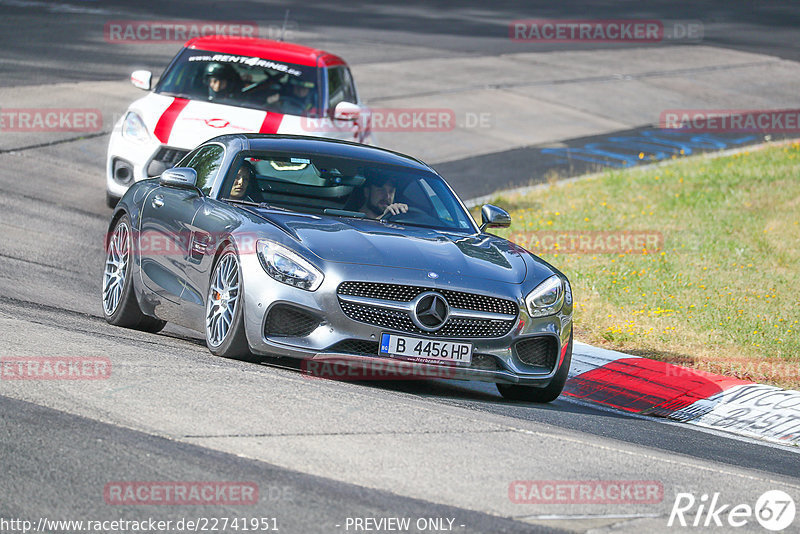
(221, 81)
(299, 100)
(379, 199)
(241, 184)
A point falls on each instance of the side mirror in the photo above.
(182, 177)
(494, 217)
(142, 79)
(346, 111)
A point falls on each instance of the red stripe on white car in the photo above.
(271, 123)
(167, 120)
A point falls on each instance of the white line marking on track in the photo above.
(56, 7)
(587, 516)
(656, 459)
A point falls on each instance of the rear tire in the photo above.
(120, 306)
(224, 320)
(540, 395)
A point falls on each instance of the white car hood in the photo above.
(182, 123)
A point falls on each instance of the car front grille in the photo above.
(403, 293)
(380, 309)
(170, 156)
(284, 320)
(538, 352)
(165, 158)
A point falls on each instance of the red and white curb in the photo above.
(649, 387)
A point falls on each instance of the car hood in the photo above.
(183, 123)
(369, 242)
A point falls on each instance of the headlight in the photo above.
(134, 128)
(288, 267)
(547, 298)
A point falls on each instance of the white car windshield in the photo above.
(243, 81)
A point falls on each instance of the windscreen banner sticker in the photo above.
(249, 61)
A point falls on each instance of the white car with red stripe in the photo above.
(269, 87)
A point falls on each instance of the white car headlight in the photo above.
(547, 298)
(288, 267)
(133, 128)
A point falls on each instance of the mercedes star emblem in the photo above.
(431, 311)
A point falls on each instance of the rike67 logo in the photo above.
(774, 510)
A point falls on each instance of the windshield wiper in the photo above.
(344, 213)
(245, 202)
(254, 204)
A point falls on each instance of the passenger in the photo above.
(300, 99)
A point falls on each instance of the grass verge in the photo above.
(712, 282)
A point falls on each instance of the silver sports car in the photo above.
(329, 251)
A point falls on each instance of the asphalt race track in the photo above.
(322, 453)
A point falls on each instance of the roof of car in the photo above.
(320, 145)
(266, 49)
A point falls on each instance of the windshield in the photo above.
(344, 187)
(243, 81)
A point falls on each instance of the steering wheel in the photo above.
(412, 214)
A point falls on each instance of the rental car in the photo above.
(317, 249)
(217, 85)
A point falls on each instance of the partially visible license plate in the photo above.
(426, 350)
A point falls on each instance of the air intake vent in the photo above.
(288, 321)
(355, 346)
(538, 352)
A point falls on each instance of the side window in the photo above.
(340, 86)
(349, 86)
(184, 161)
(206, 161)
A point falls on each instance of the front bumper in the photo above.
(143, 158)
(262, 293)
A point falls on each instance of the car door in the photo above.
(166, 236)
(212, 223)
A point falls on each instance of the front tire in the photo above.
(540, 395)
(224, 329)
(120, 306)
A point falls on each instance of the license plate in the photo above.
(426, 350)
